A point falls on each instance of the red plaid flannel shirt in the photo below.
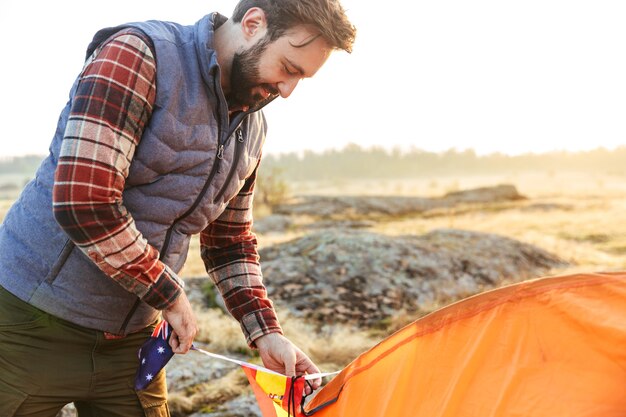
(113, 104)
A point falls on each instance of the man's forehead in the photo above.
(306, 50)
(300, 36)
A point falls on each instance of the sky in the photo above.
(489, 75)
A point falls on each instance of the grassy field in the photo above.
(579, 217)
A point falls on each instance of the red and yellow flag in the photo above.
(277, 395)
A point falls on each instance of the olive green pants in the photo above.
(46, 362)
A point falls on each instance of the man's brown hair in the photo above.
(327, 16)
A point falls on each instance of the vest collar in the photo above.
(205, 48)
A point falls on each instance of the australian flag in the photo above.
(153, 355)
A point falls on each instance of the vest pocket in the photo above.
(58, 265)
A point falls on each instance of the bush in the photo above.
(271, 188)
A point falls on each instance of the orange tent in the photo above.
(547, 347)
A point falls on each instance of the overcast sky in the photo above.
(491, 75)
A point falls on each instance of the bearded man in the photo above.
(160, 140)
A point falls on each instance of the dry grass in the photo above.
(219, 332)
(332, 348)
(541, 184)
(208, 396)
(5, 204)
(580, 219)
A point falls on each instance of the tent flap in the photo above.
(552, 346)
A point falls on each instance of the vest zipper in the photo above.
(219, 157)
(168, 234)
(233, 167)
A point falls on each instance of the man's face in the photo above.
(244, 77)
(268, 69)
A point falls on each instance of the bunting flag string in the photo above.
(307, 377)
(277, 395)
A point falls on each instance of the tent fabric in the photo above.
(553, 346)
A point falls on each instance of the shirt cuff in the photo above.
(165, 290)
(259, 323)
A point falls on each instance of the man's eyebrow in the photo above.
(295, 66)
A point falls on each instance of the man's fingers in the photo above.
(183, 343)
(316, 383)
(280, 355)
(307, 366)
(182, 348)
(180, 344)
(174, 343)
(183, 322)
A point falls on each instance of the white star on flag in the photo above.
(161, 349)
(143, 361)
(149, 377)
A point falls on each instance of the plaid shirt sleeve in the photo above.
(229, 252)
(113, 103)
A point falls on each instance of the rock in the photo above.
(242, 406)
(274, 223)
(202, 292)
(547, 207)
(347, 206)
(68, 411)
(345, 224)
(336, 207)
(184, 371)
(364, 278)
(503, 192)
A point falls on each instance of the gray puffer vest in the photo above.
(190, 162)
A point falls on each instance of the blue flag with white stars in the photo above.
(153, 355)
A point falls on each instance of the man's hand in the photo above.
(184, 328)
(280, 355)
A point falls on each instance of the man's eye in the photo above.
(288, 71)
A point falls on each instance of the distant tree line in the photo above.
(23, 165)
(354, 161)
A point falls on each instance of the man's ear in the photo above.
(254, 23)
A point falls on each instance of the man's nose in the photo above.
(285, 88)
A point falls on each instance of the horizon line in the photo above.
(402, 150)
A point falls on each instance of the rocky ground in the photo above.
(337, 272)
(352, 276)
(376, 207)
(321, 212)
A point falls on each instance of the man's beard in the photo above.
(244, 76)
